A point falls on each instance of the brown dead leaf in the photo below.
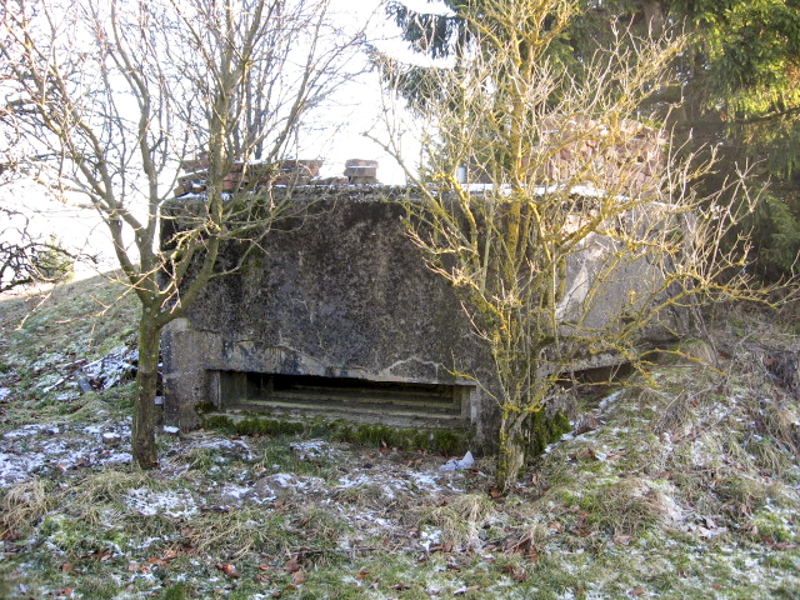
(495, 493)
(638, 591)
(229, 570)
(292, 566)
(362, 575)
(623, 539)
(102, 555)
(68, 568)
(400, 587)
(299, 577)
(785, 546)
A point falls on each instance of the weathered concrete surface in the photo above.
(341, 293)
(344, 293)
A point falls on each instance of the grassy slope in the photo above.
(690, 490)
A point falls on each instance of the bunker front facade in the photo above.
(336, 315)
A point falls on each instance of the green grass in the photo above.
(623, 510)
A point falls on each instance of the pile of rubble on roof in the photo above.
(261, 175)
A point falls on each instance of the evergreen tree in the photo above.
(736, 87)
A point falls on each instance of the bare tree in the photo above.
(27, 258)
(115, 94)
(556, 208)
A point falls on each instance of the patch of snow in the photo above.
(225, 444)
(424, 480)
(15, 468)
(429, 537)
(149, 503)
(235, 493)
(26, 431)
(5, 394)
(346, 482)
(311, 449)
(118, 458)
(284, 480)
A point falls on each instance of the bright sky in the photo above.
(360, 106)
(355, 110)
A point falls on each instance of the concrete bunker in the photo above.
(337, 317)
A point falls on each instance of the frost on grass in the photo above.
(687, 491)
(36, 449)
(175, 504)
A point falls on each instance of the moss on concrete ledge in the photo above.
(448, 442)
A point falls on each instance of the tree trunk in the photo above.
(144, 413)
(511, 451)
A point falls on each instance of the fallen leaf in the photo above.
(637, 591)
(362, 575)
(229, 570)
(292, 565)
(102, 555)
(68, 568)
(519, 576)
(785, 546)
(401, 586)
(623, 539)
(299, 577)
(495, 493)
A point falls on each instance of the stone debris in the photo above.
(117, 367)
(112, 438)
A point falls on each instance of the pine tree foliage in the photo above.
(736, 86)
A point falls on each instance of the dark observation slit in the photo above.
(410, 402)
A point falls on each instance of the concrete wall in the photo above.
(344, 293)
